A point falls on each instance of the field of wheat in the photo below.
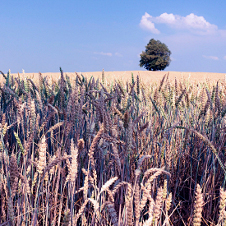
(86, 151)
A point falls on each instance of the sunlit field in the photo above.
(145, 76)
(125, 149)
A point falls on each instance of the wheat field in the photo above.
(83, 150)
(145, 76)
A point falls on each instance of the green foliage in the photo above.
(156, 57)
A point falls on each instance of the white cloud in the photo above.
(191, 22)
(166, 18)
(211, 57)
(198, 22)
(109, 54)
(104, 54)
(147, 24)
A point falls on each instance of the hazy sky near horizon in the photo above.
(82, 36)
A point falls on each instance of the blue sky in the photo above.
(91, 35)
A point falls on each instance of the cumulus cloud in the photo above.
(104, 54)
(211, 57)
(147, 24)
(192, 22)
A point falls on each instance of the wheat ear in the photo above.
(42, 155)
(74, 164)
(91, 152)
(13, 169)
(81, 144)
(222, 202)
(198, 206)
(118, 186)
(112, 213)
(140, 161)
(116, 155)
(80, 212)
(149, 221)
(86, 186)
(164, 189)
(158, 204)
(168, 202)
(54, 162)
(95, 205)
(129, 205)
(107, 185)
(11, 210)
(137, 204)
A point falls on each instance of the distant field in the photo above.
(148, 76)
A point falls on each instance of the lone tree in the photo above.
(156, 56)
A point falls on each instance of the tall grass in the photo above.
(90, 152)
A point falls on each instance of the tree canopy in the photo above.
(156, 56)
